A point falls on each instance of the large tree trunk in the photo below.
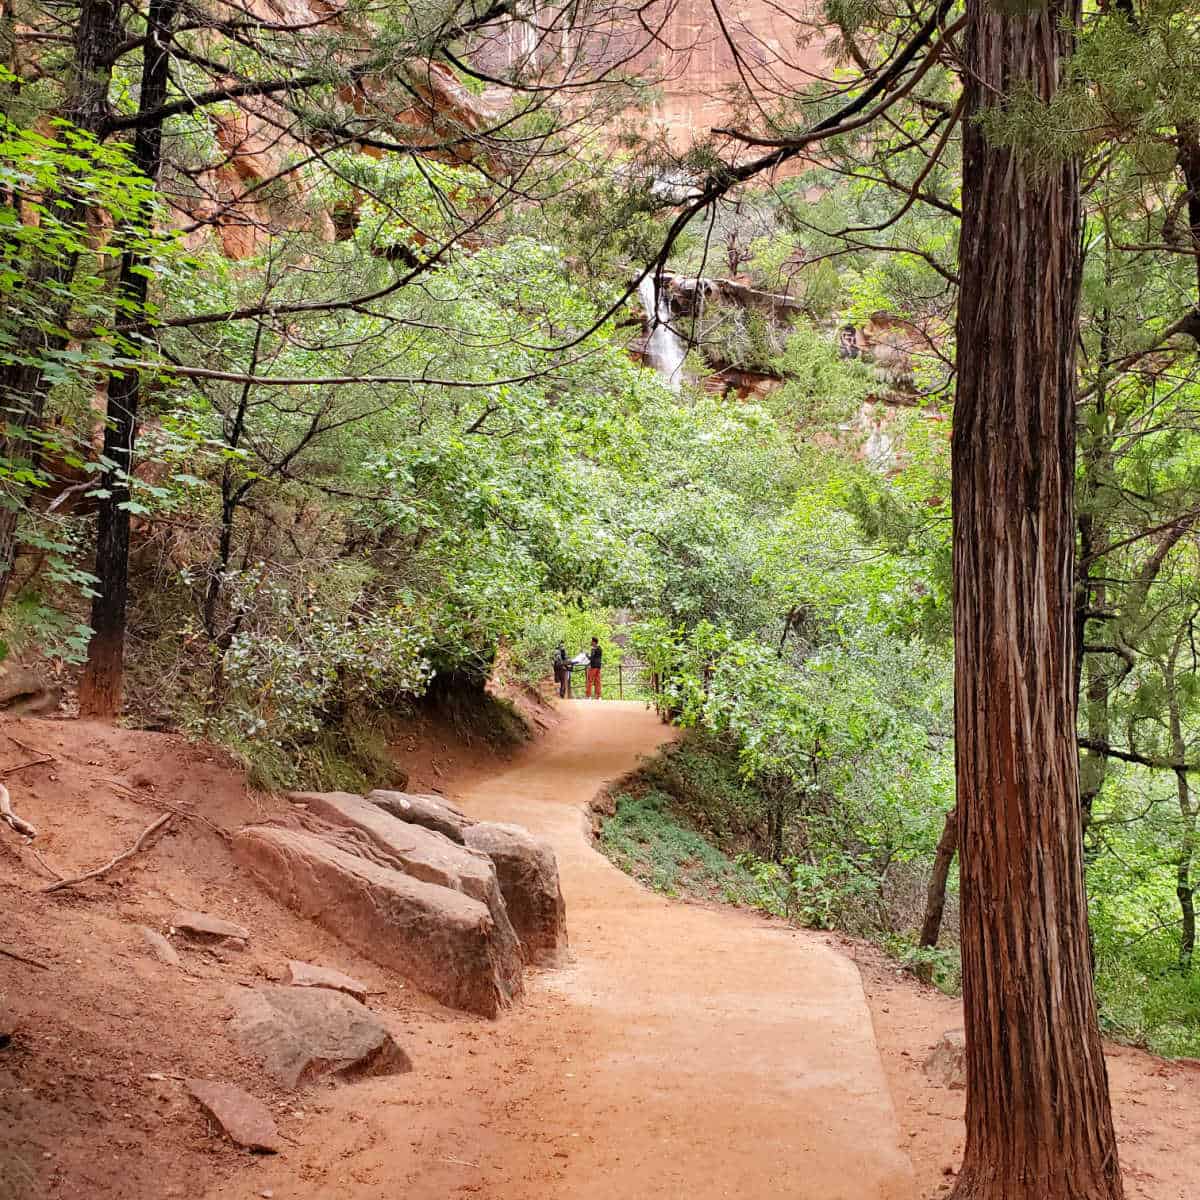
(100, 688)
(1039, 1125)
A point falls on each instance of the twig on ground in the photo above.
(33, 762)
(25, 745)
(32, 962)
(146, 833)
(45, 865)
(10, 818)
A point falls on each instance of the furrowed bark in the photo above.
(1039, 1125)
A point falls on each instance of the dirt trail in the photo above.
(685, 1052)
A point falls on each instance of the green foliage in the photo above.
(531, 655)
(647, 840)
(58, 313)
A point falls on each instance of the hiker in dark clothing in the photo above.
(593, 669)
(562, 671)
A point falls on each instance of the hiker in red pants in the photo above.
(593, 670)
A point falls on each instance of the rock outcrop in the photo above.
(528, 873)
(443, 940)
(430, 812)
(426, 855)
(456, 906)
(300, 1034)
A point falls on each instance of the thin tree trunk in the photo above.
(22, 386)
(1038, 1118)
(935, 897)
(100, 688)
(1184, 890)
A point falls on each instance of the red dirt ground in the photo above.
(1156, 1103)
(585, 1091)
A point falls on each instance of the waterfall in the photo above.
(665, 350)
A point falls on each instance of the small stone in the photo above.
(947, 1063)
(302, 974)
(163, 950)
(244, 1118)
(199, 924)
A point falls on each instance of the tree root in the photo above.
(10, 818)
(145, 835)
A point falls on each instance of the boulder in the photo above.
(947, 1062)
(201, 925)
(441, 939)
(528, 873)
(426, 855)
(245, 1119)
(430, 812)
(25, 692)
(302, 974)
(301, 1034)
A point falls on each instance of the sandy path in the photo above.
(685, 1052)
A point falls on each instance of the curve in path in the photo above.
(686, 1052)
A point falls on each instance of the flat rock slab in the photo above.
(302, 974)
(528, 873)
(244, 1118)
(303, 1033)
(442, 940)
(163, 950)
(426, 855)
(431, 812)
(202, 925)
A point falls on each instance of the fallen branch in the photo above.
(33, 762)
(24, 745)
(32, 962)
(146, 833)
(10, 818)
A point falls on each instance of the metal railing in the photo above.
(633, 678)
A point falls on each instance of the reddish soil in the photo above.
(1155, 1102)
(686, 1051)
(83, 1112)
